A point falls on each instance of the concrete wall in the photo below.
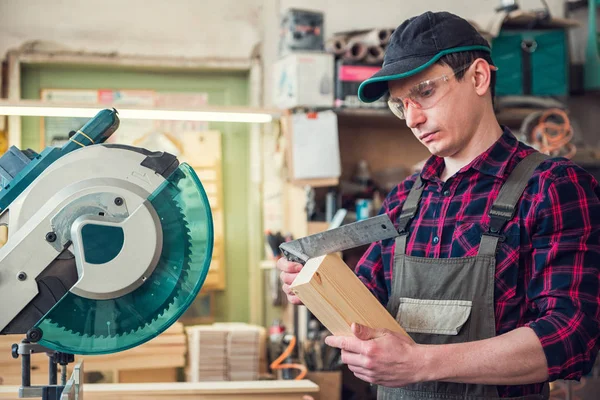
(193, 28)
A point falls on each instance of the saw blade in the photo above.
(134, 310)
(87, 326)
(345, 237)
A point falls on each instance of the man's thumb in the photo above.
(365, 333)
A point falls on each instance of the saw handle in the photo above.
(292, 258)
(292, 254)
(95, 131)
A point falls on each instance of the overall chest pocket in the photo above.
(441, 317)
(465, 239)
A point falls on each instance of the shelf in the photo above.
(365, 112)
(267, 264)
(317, 182)
(508, 115)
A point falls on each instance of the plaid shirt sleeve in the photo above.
(564, 286)
(370, 272)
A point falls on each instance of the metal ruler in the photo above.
(345, 237)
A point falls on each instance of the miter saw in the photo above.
(108, 245)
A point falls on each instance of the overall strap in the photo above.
(409, 210)
(503, 209)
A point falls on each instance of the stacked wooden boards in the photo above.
(207, 353)
(225, 352)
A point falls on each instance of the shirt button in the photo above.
(436, 240)
(446, 193)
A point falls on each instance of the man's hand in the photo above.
(380, 356)
(289, 272)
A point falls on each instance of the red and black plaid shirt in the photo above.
(548, 268)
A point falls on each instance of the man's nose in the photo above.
(414, 116)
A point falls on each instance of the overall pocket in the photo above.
(441, 317)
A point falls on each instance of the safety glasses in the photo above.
(426, 94)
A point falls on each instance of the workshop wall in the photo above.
(226, 28)
(189, 28)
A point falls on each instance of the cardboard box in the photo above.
(330, 384)
(304, 80)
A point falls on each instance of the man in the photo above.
(495, 274)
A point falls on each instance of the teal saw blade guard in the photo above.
(79, 325)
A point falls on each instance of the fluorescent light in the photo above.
(195, 116)
(40, 109)
(48, 111)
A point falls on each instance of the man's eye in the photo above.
(426, 91)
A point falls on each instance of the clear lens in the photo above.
(423, 95)
(397, 108)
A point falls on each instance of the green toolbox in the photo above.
(531, 62)
(592, 55)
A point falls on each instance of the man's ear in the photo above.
(482, 76)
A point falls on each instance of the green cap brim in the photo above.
(376, 86)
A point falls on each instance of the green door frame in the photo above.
(255, 298)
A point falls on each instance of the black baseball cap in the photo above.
(417, 44)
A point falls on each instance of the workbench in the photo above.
(232, 390)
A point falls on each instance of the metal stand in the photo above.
(52, 391)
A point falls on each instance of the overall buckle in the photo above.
(501, 237)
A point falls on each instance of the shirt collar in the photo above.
(492, 162)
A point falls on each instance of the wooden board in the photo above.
(247, 390)
(330, 384)
(333, 293)
(203, 152)
(147, 375)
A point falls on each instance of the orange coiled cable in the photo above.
(277, 363)
(553, 138)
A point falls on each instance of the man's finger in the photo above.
(292, 298)
(286, 289)
(365, 378)
(288, 266)
(354, 359)
(362, 371)
(350, 344)
(365, 333)
(287, 278)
